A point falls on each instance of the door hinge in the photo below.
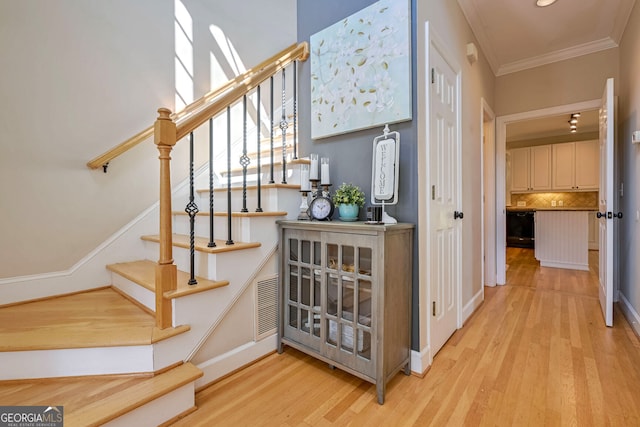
(433, 75)
(433, 192)
(433, 310)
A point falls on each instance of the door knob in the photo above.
(617, 215)
(457, 215)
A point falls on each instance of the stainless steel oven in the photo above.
(521, 229)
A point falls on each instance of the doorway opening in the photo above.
(501, 170)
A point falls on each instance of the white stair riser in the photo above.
(209, 266)
(141, 294)
(160, 410)
(243, 229)
(273, 199)
(293, 171)
(269, 200)
(76, 362)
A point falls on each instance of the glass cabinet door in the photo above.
(349, 304)
(302, 290)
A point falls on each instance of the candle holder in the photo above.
(314, 187)
(325, 190)
(304, 207)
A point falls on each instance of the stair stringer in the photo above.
(232, 341)
(204, 311)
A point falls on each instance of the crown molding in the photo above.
(557, 56)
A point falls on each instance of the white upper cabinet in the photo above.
(576, 165)
(531, 168)
(541, 167)
(587, 165)
(520, 169)
(564, 172)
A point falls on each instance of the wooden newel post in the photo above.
(166, 270)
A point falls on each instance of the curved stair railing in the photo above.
(170, 128)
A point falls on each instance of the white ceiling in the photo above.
(516, 34)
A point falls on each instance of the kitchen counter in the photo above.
(558, 208)
(561, 238)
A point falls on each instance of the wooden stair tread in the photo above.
(93, 401)
(100, 412)
(182, 241)
(98, 318)
(252, 187)
(237, 214)
(143, 272)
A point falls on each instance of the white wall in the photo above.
(80, 76)
(566, 82)
(629, 169)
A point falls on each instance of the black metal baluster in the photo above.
(191, 210)
(283, 127)
(212, 243)
(259, 172)
(295, 109)
(229, 239)
(244, 159)
(271, 129)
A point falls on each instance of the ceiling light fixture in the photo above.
(573, 122)
(544, 3)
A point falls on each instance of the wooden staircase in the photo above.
(112, 364)
(132, 349)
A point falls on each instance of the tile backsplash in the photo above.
(587, 199)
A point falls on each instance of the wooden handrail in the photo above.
(189, 124)
(275, 63)
(167, 130)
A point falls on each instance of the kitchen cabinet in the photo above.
(531, 168)
(576, 165)
(345, 296)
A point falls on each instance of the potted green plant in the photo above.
(349, 199)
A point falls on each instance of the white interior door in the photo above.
(445, 223)
(605, 204)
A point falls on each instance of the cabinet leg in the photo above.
(332, 367)
(280, 348)
(380, 391)
(407, 369)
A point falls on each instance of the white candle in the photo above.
(324, 173)
(305, 185)
(313, 172)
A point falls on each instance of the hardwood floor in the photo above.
(535, 353)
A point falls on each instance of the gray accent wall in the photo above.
(351, 153)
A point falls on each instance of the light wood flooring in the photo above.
(535, 353)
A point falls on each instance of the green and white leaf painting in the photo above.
(361, 70)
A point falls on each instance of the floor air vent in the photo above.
(266, 307)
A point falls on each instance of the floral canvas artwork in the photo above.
(361, 70)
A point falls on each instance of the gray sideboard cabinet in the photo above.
(345, 295)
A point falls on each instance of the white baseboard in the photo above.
(568, 265)
(230, 361)
(472, 305)
(420, 361)
(630, 313)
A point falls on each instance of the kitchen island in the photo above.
(562, 238)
